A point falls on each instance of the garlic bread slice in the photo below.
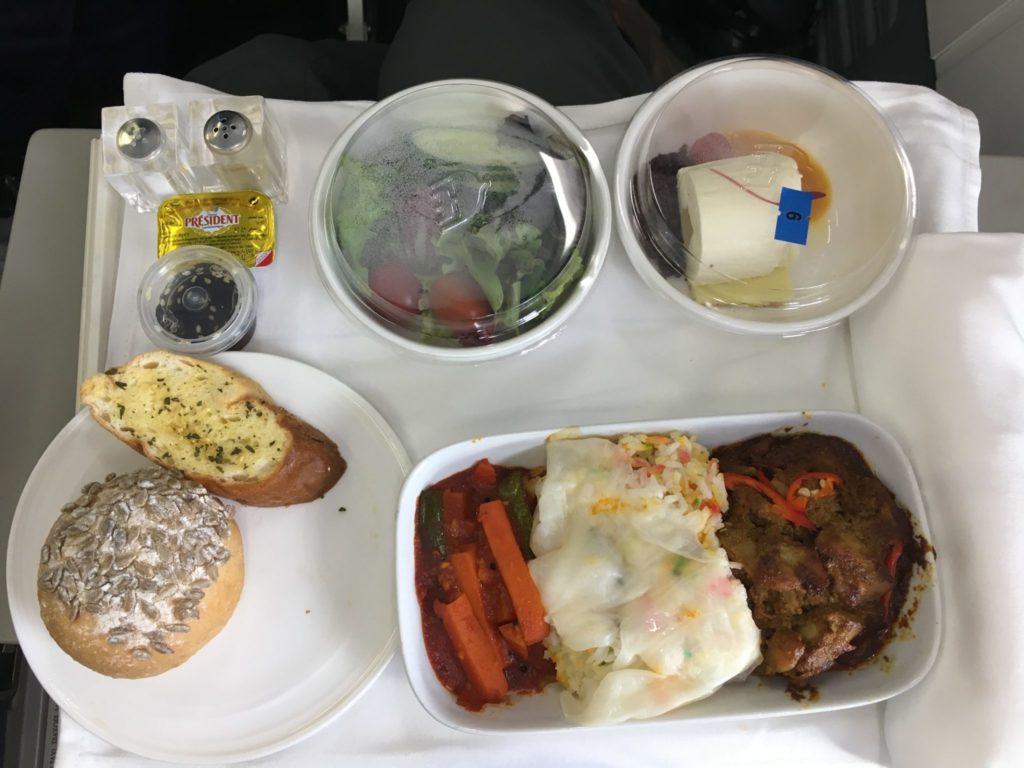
(216, 426)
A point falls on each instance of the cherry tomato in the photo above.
(458, 301)
(397, 290)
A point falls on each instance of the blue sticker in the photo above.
(794, 215)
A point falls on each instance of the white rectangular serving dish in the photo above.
(903, 663)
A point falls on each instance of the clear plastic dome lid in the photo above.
(461, 214)
(768, 190)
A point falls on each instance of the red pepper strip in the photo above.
(712, 505)
(893, 557)
(733, 479)
(800, 502)
(890, 565)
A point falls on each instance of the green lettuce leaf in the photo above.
(482, 253)
(363, 208)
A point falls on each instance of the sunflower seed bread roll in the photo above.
(140, 572)
(216, 426)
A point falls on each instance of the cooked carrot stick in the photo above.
(456, 518)
(512, 567)
(455, 504)
(482, 665)
(484, 474)
(514, 637)
(464, 565)
(497, 603)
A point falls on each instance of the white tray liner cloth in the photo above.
(940, 362)
(625, 355)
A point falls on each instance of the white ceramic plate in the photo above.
(909, 657)
(316, 621)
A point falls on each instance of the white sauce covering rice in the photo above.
(645, 612)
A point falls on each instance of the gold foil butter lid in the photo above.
(241, 223)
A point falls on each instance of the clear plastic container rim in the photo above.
(600, 209)
(625, 165)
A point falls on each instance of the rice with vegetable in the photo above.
(645, 612)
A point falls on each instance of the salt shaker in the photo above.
(234, 144)
(143, 151)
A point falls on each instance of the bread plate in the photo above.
(315, 624)
(902, 664)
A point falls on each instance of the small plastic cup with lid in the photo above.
(198, 300)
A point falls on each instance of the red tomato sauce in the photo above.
(460, 531)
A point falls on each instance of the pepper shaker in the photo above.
(235, 144)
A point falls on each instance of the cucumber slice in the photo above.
(471, 146)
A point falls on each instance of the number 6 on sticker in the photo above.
(794, 215)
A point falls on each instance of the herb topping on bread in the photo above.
(216, 426)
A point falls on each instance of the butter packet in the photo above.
(241, 223)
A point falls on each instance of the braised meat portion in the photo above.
(825, 549)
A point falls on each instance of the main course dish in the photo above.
(642, 572)
(825, 551)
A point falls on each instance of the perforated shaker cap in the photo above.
(139, 138)
(227, 131)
